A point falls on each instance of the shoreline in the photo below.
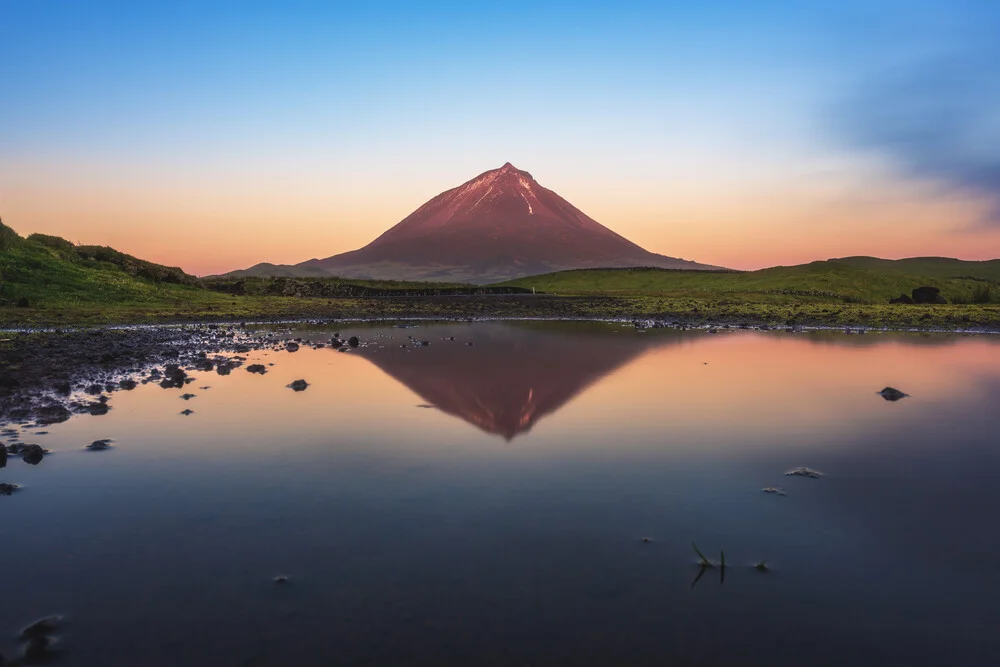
(48, 375)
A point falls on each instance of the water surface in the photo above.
(483, 501)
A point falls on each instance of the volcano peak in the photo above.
(499, 225)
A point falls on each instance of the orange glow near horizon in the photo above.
(212, 225)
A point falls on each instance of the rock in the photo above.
(127, 385)
(52, 414)
(223, 369)
(40, 628)
(100, 445)
(257, 368)
(7, 489)
(299, 385)
(187, 397)
(773, 489)
(292, 347)
(353, 341)
(94, 389)
(187, 412)
(37, 649)
(204, 365)
(928, 294)
(892, 394)
(3, 457)
(804, 472)
(32, 454)
(902, 298)
(98, 409)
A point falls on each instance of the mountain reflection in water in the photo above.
(511, 376)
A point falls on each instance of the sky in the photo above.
(215, 135)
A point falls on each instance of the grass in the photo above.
(861, 280)
(47, 281)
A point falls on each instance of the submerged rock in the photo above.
(52, 414)
(804, 472)
(7, 489)
(298, 385)
(98, 409)
(892, 394)
(257, 368)
(32, 454)
(38, 649)
(40, 628)
(187, 397)
(773, 489)
(100, 445)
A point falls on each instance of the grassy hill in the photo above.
(48, 281)
(50, 271)
(865, 280)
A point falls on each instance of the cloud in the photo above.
(939, 122)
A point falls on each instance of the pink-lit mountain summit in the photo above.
(501, 224)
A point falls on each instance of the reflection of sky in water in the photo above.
(425, 532)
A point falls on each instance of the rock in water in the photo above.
(41, 628)
(3, 457)
(256, 368)
(804, 472)
(100, 445)
(37, 649)
(32, 454)
(353, 341)
(892, 394)
(7, 489)
(773, 489)
(187, 412)
(299, 385)
(292, 347)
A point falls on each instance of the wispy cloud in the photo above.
(938, 122)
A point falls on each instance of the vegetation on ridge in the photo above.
(46, 280)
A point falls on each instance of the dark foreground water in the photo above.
(485, 504)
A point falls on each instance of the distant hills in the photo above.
(848, 279)
(500, 225)
(54, 274)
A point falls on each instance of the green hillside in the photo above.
(849, 280)
(44, 270)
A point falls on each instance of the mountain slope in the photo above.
(500, 225)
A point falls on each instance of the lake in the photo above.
(484, 501)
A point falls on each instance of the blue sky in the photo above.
(131, 120)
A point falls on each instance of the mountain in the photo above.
(500, 225)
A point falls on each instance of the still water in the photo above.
(483, 501)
